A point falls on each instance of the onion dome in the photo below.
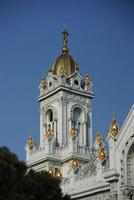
(99, 138)
(73, 132)
(64, 64)
(113, 128)
(101, 153)
(74, 164)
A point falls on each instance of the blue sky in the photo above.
(101, 39)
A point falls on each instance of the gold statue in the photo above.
(73, 132)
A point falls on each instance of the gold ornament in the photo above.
(114, 128)
(50, 171)
(99, 138)
(30, 141)
(49, 133)
(74, 164)
(101, 154)
(73, 132)
(43, 83)
(58, 174)
(87, 79)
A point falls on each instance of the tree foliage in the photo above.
(17, 183)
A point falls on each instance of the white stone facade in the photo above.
(66, 148)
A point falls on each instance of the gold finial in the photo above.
(30, 141)
(87, 79)
(50, 171)
(74, 163)
(113, 118)
(58, 174)
(114, 127)
(101, 153)
(99, 138)
(65, 40)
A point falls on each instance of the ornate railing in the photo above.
(77, 183)
(57, 152)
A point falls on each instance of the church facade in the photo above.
(67, 149)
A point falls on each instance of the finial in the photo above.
(30, 132)
(113, 118)
(65, 40)
(99, 138)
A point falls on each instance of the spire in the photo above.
(113, 118)
(65, 40)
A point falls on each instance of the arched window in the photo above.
(76, 118)
(49, 115)
(77, 124)
(130, 166)
(49, 118)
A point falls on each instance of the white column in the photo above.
(41, 127)
(84, 134)
(90, 129)
(112, 155)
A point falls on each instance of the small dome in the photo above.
(64, 64)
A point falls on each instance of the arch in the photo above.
(49, 115)
(53, 112)
(125, 161)
(50, 120)
(79, 107)
(130, 165)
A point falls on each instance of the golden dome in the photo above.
(101, 154)
(114, 128)
(64, 64)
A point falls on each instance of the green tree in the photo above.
(17, 183)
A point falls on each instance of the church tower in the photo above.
(65, 118)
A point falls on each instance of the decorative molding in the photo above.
(123, 160)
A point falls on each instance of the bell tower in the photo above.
(65, 117)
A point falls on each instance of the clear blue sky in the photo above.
(101, 39)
